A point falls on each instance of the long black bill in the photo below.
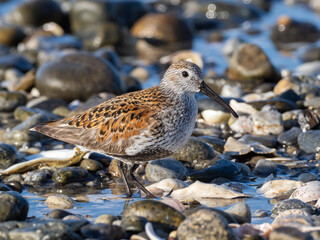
(211, 94)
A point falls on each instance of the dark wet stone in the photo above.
(214, 142)
(22, 113)
(46, 104)
(4, 188)
(289, 33)
(58, 214)
(11, 100)
(282, 105)
(309, 119)
(132, 84)
(91, 165)
(57, 42)
(159, 214)
(8, 155)
(160, 34)
(289, 95)
(70, 174)
(266, 140)
(205, 224)
(71, 73)
(223, 168)
(10, 35)
(289, 137)
(194, 150)
(261, 213)
(13, 206)
(264, 168)
(21, 133)
(133, 224)
(14, 185)
(307, 177)
(99, 35)
(160, 169)
(250, 64)
(15, 61)
(102, 231)
(27, 13)
(292, 203)
(35, 177)
(87, 13)
(309, 54)
(241, 212)
(310, 141)
(226, 215)
(237, 12)
(105, 218)
(14, 177)
(284, 233)
(110, 55)
(50, 229)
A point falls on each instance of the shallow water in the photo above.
(105, 202)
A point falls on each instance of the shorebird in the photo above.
(139, 126)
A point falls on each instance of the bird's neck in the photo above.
(173, 91)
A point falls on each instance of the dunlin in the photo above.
(139, 126)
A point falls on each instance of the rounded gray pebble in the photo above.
(160, 169)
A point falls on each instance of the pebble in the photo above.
(265, 123)
(307, 177)
(11, 35)
(91, 165)
(102, 231)
(70, 174)
(133, 224)
(194, 150)
(50, 229)
(8, 155)
(288, 204)
(289, 137)
(105, 218)
(21, 134)
(223, 168)
(9, 101)
(264, 168)
(35, 177)
(176, 34)
(289, 33)
(309, 141)
(308, 192)
(13, 206)
(158, 170)
(159, 214)
(241, 212)
(28, 14)
(72, 71)
(59, 202)
(277, 188)
(216, 143)
(58, 214)
(213, 226)
(283, 233)
(198, 190)
(249, 62)
(165, 186)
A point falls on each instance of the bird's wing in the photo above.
(119, 118)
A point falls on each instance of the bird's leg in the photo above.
(139, 185)
(124, 178)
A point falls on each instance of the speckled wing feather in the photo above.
(110, 123)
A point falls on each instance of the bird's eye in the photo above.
(185, 74)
